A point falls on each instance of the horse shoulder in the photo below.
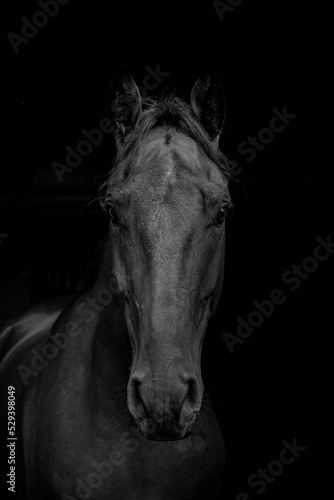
(18, 337)
(19, 340)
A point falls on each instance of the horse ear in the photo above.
(208, 103)
(124, 104)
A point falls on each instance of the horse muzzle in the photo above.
(164, 409)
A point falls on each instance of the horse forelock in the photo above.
(168, 111)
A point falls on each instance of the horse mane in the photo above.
(171, 111)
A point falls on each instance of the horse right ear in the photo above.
(124, 108)
(208, 103)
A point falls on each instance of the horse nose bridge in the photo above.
(169, 381)
(164, 361)
(163, 357)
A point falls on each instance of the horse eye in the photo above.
(221, 216)
(113, 215)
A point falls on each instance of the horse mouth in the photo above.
(168, 436)
(163, 432)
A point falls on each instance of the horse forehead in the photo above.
(164, 155)
(170, 174)
(172, 159)
(163, 183)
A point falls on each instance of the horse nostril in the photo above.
(193, 395)
(135, 401)
(134, 390)
(192, 390)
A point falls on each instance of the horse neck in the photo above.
(110, 347)
(97, 358)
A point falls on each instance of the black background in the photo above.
(273, 387)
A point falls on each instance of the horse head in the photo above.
(167, 198)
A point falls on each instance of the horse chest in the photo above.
(128, 466)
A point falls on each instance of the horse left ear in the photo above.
(124, 104)
(208, 103)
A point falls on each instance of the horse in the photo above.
(107, 384)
